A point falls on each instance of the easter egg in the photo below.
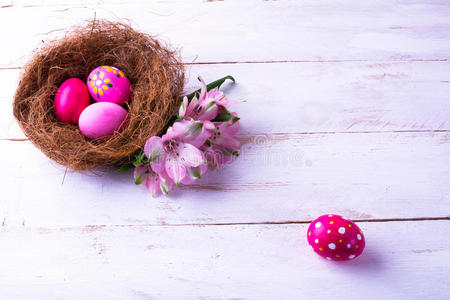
(71, 99)
(335, 238)
(109, 84)
(102, 119)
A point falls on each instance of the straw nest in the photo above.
(155, 72)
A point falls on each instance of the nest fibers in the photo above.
(155, 72)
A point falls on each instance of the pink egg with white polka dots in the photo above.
(109, 84)
(335, 238)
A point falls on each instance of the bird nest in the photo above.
(155, 72)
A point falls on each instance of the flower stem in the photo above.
(215, 84)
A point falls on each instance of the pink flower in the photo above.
(155, 183)
(206, 107)
(223, 145)
(224, 134)
(217, 155)
(194, 173)
(177, 151)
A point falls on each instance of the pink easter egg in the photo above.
(71, 99)
(109, 84)
(102, 119)
(335, 238)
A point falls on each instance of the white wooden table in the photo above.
(347, 112)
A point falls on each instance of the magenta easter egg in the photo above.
(109, 84)
(102, 119)
(335, 238)
(71, 99)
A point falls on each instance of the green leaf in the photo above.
(223, 117)
(110, 85)
(219, 82)
(215, 84)
(124, 168)
(139, 159)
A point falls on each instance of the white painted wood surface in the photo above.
(402, 261)
(348, 111)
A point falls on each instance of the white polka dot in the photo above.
(341, 230)
(332, 246)
(358, 236)
(316, 241)
(351, 256)
(318, 224)
(98, 82)
(329, 258)
(348, 245)
(328, 231)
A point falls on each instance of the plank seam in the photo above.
(294, 61)
(302, 133)
(385, 220)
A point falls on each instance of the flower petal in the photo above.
(152, 185)
(183, 107)
(158, 165)
(139, 174)
(175, 168)
(194, 173)
(209, 111)
(203, 91)
(165, 183)
(192, 132)
(191, 156)
(153, 148)
(217, 156)
(228, 141)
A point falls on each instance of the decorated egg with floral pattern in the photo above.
(335, 238)
(109, 84)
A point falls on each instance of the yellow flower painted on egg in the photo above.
(98, 84)
(114, 70)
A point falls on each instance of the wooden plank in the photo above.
(268, 30)
(402, 260)
(277, 178)
(315, 97)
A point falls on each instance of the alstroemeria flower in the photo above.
(205, 107)
(224, 134)
(217, 156)
(223, 145)
(155, 183)
(194, 173)
(177, 151)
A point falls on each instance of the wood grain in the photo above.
(220, 262)
(289, 177)
(347, 112)
(252, 30)
(315, 97)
